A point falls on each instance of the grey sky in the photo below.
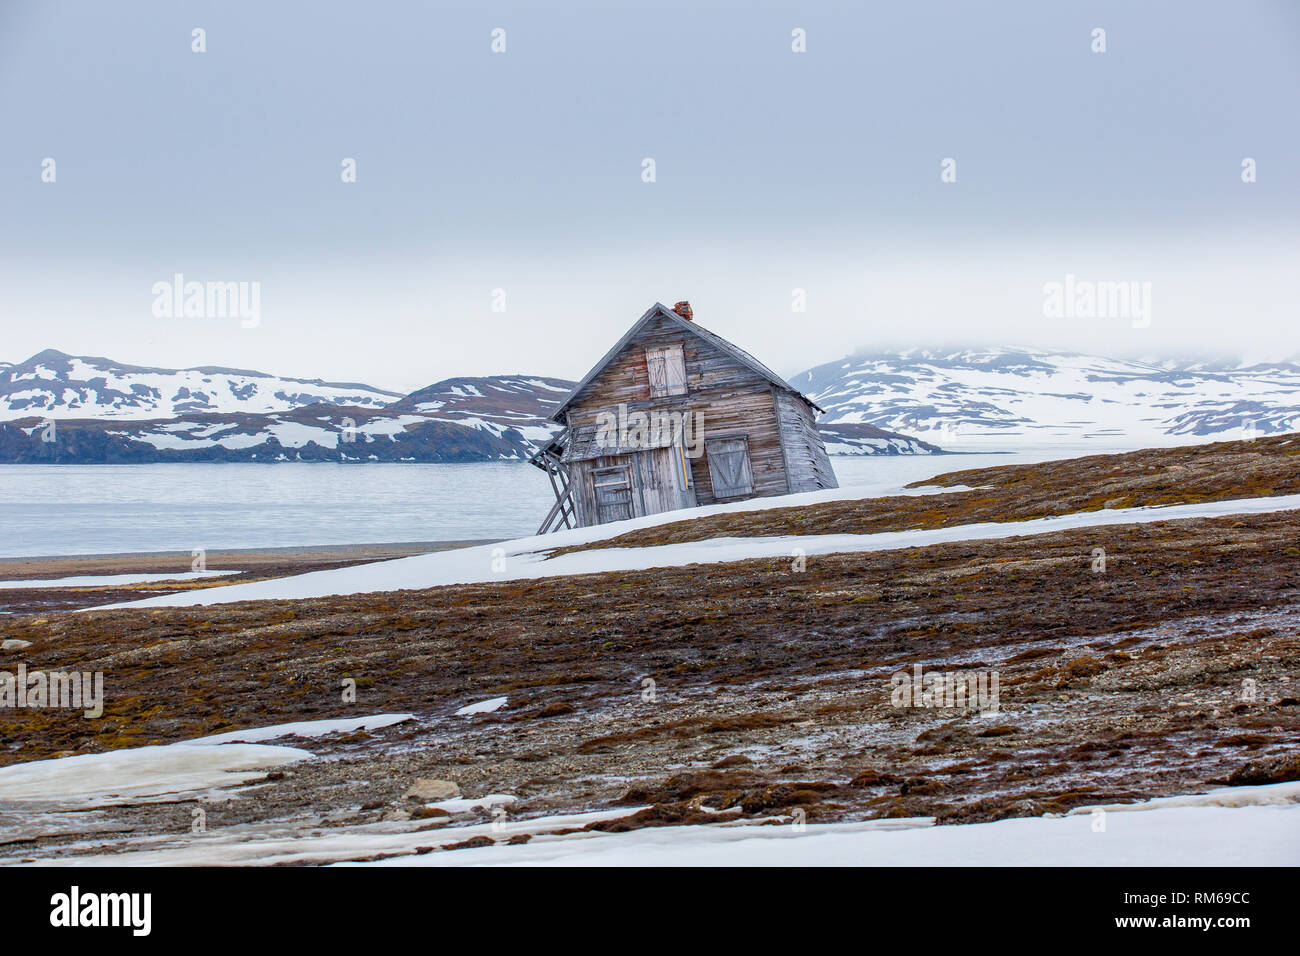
(522, 171)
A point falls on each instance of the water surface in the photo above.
(108, 509)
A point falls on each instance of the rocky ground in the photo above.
(742, 690)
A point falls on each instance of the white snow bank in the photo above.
(244, 846)
(525, 558)
(141, 771)
(482, 707)
(1165, 836)
(461, 804)
(303, 728)
(198, 764)
(1265, 795)
(1241, 826)
(106, 580)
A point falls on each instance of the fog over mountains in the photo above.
(1015, 397)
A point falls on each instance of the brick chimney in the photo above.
(683, 309)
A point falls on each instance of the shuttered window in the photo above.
(729, 467)
(667, 368)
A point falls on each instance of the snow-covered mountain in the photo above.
(107, 411)
(512, 407)
(54, 385)
(855, 438)
(311, 433)
(1016, 396)
(913, 402)
(62, 408)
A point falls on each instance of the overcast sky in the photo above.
(523, 171)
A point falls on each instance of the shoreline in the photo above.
(253, 564)
(395, 548)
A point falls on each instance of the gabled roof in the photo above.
(659, 310)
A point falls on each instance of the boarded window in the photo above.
(729, 467)
(667, 368)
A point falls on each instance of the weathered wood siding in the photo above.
(809, 465)
(654, 478)
(731, 398)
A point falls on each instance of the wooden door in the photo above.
(664, 475)
(612, 487)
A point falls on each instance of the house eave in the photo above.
(659, 309)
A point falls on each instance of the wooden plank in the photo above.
(785, 452)
(780, 435)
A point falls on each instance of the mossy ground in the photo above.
(1174, 670)
(1161, 476)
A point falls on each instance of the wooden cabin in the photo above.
(675, 416)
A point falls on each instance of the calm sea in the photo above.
(107, 509)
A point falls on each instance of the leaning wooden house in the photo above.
(675, 416)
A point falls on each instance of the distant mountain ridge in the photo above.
(888, 403)
(512, 407)
(59, 408)
(53, 384)
(63, 408)
(311, 433)
(1018, 397)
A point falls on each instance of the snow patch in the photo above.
(482, 707)
(527, 558)
(303, 728)
(462, 804)
(109, 580)
(141, 772)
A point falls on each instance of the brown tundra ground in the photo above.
(746, 690)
